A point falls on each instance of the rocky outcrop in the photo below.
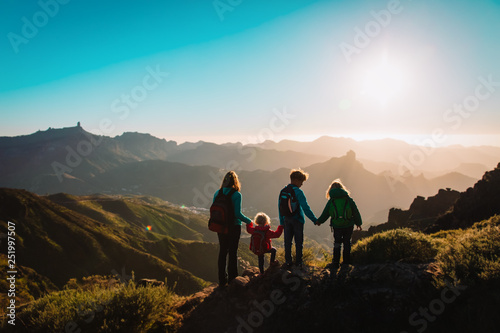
(476, 204)
(368, 298)
(421, 214)
(446, 210)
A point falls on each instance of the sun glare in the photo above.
(383, 81)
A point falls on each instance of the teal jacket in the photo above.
(338, 193)
(236, 199)
(303, 208)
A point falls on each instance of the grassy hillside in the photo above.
(61, 243)
(124, 212)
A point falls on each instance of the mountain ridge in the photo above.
(77, 162)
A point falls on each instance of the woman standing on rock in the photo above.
(344, 215)
(228, 243)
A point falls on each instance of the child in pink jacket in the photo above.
(260, 243)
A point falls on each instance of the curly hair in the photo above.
(262, 219)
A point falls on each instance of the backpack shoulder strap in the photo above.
(262, 239)
(292, 192)
(334, 206)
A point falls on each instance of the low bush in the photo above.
(473, 257)
(394, 245)
(123, 308)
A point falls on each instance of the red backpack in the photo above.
(221, 212)
(258, 244)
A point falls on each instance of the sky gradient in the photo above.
(252, 70)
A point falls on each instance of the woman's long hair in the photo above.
(231, 180)
(337, 183)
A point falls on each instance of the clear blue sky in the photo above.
(253, 69)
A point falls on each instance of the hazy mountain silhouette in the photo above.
(474, 170)
(195, 185)
(65, 160)
(237, 156)
(32, 161)
(73, 161)
(394, 155)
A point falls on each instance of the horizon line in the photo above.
(492, 140)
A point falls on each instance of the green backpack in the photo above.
(341, 212)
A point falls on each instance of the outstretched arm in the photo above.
(237, 208)
(277, 233)
(325, 214)
(305, 206)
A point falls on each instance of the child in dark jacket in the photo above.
(260, 243)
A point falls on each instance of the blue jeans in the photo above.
(293, 229)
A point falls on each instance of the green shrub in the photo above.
(472, 257)
(492, 221)
(125, 308)
(394, 245)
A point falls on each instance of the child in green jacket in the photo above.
(344, 214)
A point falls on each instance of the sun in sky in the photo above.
(384, 80)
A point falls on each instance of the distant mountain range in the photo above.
(73, 161)
(393, 155)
